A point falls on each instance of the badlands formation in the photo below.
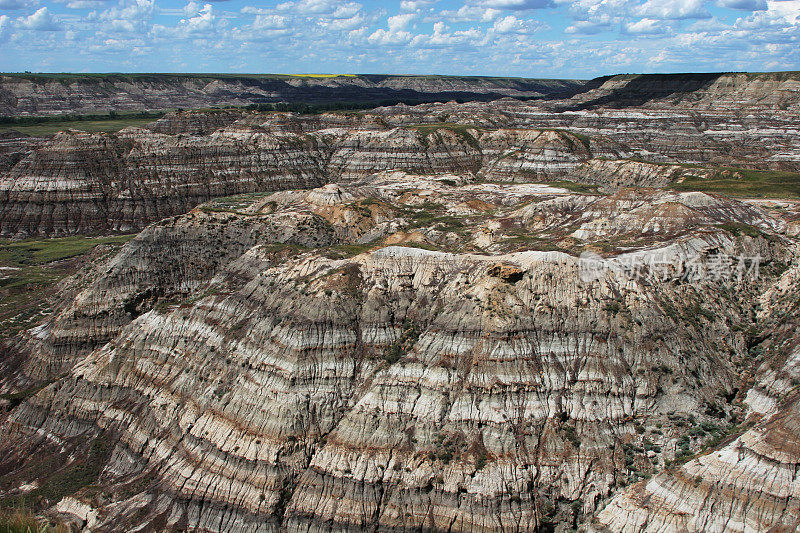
(572, 313)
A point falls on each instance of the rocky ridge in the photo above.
(317, 376)
(42, 94)
(87, 183)
(463, 317)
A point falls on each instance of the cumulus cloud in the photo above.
(787, 9)
(202, 21)
(399, 22)
(128, 16)
(415, 5)
(5, 24)
(585, 27)
(645, 27)
(443, 37)
(84, 4)
(341, 24)
(467, 36)
(310, 7)
(674, 9)
(40, 20)
(591, 17)
(396, 34)
(269, 22)
(514, 4)
(467, 13)
(512, 24)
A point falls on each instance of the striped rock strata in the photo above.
(89, 183)
(292, 386)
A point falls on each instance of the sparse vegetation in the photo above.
(398, 349)
(745, 183)
(32, 268)
(459, 129)
(22, 520)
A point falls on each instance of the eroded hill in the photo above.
(446, 317)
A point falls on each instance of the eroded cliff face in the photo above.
(277, 362)
(625, 131)
(88, 183)
(79, 183)
(748, 482)
(44, 95)
(446, 317)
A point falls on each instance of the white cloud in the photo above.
(749, 5)
(192, 8)
(310, 7)
(202, 21)
(399, 22)
(5, 24)
(674, 9)
(41, 20)
(645, 27)
(129, 16)
(512, 24)
(596, 16)
(441, 37)
(468, 13)
(415, 5)
(788, 10)
(269, 22)
(342, 24)
(383, 37)
(346, 11)
(585, 27)
(396, 34)
(84, 4)
(514, 4)
(251, 10)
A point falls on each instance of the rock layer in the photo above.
(45, 95)
(287, 385)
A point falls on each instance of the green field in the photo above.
(745, 183)
(50, 128)
(31, 270)
(40, 251)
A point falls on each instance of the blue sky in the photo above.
(532, 38)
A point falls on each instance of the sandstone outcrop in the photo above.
(89, 183)
(506, 316)
(39, 94)
(635, 133)
(260, 377)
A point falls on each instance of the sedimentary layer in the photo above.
(296, 383)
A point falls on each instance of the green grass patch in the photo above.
(738, 229)
(574, 186)
(91, 126)
(24, 521)
(342, 251)
(567, 135)
(58, 478)
(32, 273)
(745, 183)
(431, 215)
(42, 251)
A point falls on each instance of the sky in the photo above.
(527, 38)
